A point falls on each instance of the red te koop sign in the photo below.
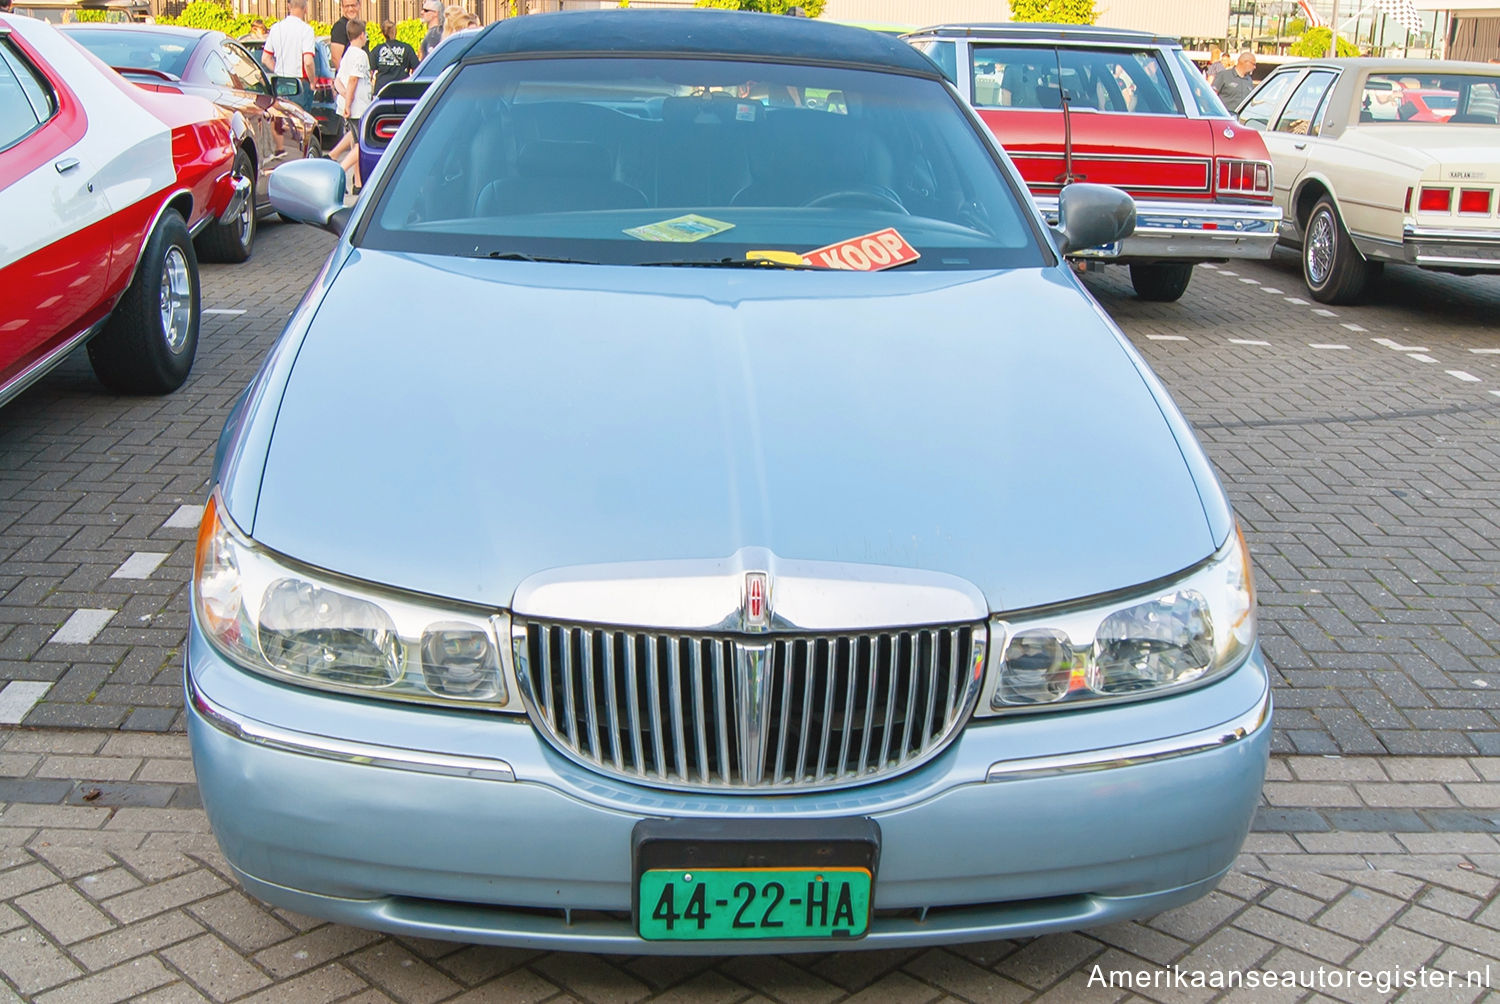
(870, 253)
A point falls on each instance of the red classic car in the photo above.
(1122, 108)
(102, 185)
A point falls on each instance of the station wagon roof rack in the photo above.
(1070, 32)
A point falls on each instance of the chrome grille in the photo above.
(671, 709)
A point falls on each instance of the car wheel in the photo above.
(148, 343)
(232, 241)
(1161, 282)
(1332, 267)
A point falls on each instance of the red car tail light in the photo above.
(1435, 200)
(385, 127)
(322, 83)
(1474, 200)
(1245, 177)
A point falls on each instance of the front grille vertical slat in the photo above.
(591, 697)
(633, 708)
(839, 708)
(727, 772)
(700, 711)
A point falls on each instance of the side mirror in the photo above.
(1087, 216)
(288, 87)
(310, 191)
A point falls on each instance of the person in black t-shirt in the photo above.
(393, 59)
(338, 35)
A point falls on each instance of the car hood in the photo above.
(456, 426)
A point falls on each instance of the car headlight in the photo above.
(304, 626)
(1192, 630)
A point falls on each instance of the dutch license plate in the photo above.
(729, 904)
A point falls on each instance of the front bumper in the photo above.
(1186, 232)
(321, 805)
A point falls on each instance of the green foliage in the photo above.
(1054, 11)
(205, 14)
(1296, 26)
(812, 8)
(412, 32)
(85, 16)
(1315, 43)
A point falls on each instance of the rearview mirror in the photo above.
(310, 191)
(1091, 215)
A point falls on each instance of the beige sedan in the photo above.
(1383, 160)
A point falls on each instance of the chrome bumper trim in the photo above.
(237, 200)
(1229, 732)
(1189, 231)
(326, 748)
(1467, 249)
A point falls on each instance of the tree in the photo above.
(1314, 44)
(1054, 11)
(812, 8)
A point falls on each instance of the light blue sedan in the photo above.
(697, 510)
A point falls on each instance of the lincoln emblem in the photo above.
(757, 601)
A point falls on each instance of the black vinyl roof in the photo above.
(705, 32)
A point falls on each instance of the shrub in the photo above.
(1315, 44)
(1054, 11)
(812, 8)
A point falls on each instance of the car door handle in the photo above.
(1299, 146)
(66, 164)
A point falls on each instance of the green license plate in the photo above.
(729, 904)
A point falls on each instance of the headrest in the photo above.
(718, 108)
(556, 158)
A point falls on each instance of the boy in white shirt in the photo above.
(352, 87)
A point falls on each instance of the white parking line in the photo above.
(222, 310)
(1326, 345)
(1296, 301)
(82, 627)
(1321, 312)
(187, 517)
(18, 698)
(1247, 341)
(1495, 392)
(1270, 289)
(139, 565)
(1210, 266)
(1166, 338)
(1419, 357)
(1353, 327)
(1226, 271)
(1252, 282)
(1397, 346)
(1465, 377)
(1486, 352)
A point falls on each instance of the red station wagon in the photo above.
(1122, 108)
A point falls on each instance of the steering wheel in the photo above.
(873, 196)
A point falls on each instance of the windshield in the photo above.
(136, 48)
(1453, 98)
(666, 161)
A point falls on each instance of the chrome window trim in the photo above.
(1203, 740)
(343, 750)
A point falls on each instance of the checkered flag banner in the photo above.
(1404, 12)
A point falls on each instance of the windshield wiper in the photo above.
(729, 263)
(522, 256)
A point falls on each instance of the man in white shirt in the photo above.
(289, 45)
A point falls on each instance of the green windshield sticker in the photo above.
(682, 230)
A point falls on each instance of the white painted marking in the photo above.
(18, 698)
(222, 310)
(1247, 341)
(1495, 392)
(1465, 377)
(187, 517)
(1324, 313)
(1419, 357)
(1353, 327)
(1227, 272)
(1270, 289)
(82, 627)
(1397, 346)
(1210, 266)
(1252, 282)
(1326, 345)
(139, 565)
(1486, 352)
(1167, 338)
(1296, 300)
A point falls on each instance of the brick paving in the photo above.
(104, 900)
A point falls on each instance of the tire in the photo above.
(1161, 282)
(1332, 267)
(148, 343)
(233, 241)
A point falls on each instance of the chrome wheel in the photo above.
(1319, 252)
(176, 299)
